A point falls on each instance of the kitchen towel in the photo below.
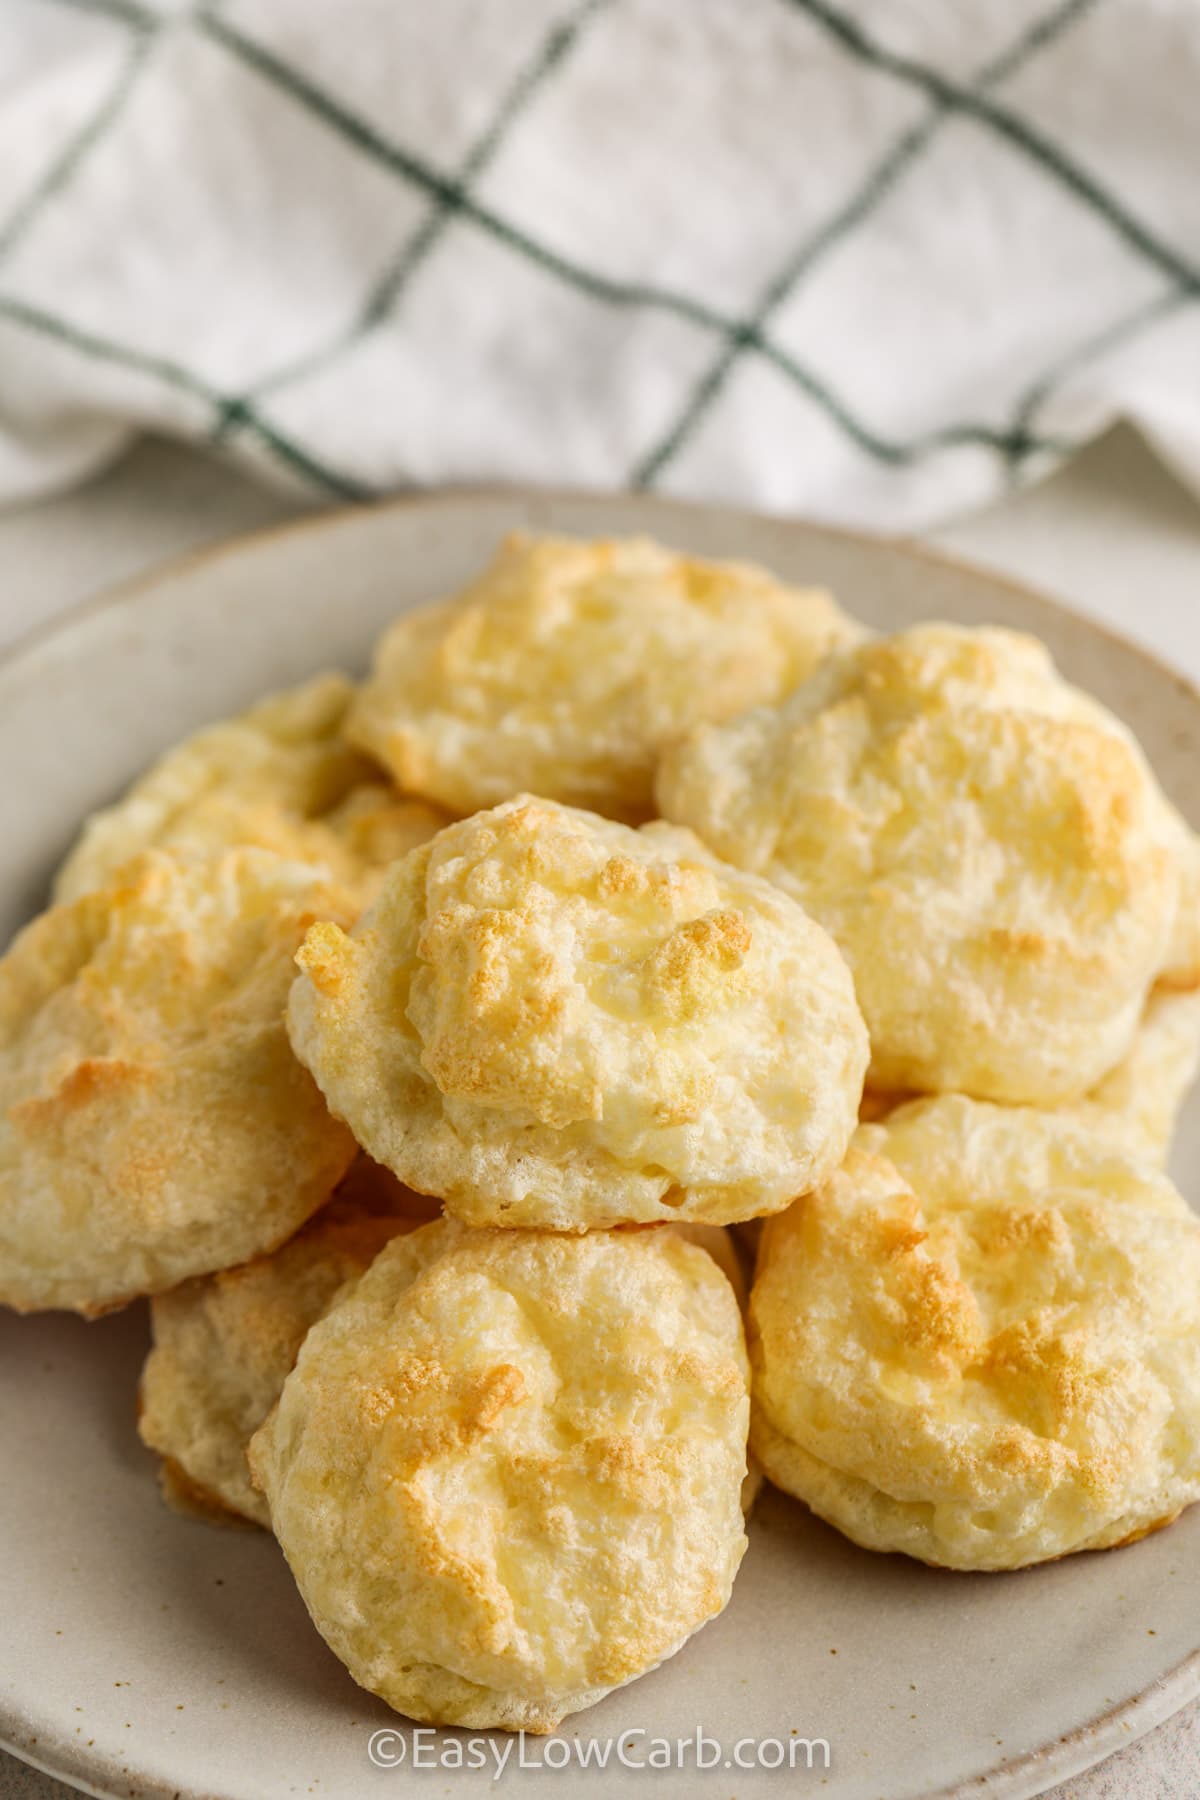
(870, 260)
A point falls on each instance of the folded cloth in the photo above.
(873, 260)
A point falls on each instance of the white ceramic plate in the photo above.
(143, 1654)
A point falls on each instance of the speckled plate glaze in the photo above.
(142, 1654)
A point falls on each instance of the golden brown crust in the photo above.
(979, 1342)
(550, 1019)
(507, 1468)
(987, 845)
(224, 1343)
(279, 777)
(566, 667)
(189, 1498)
(154, 1123)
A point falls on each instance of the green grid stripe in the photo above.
(460, 202)
(1015, 130)
(163, 368)
(445, 188)
(1121, 331)
(1053, 160)
(387, 293)
(176, 375)
(899, 452)
(128, 12)
(146, 27)
(76, 149)
(451, 193)
(882, 179)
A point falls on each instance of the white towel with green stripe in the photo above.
(870, 260)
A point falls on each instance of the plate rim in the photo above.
(1019, 1778)
(142, 583)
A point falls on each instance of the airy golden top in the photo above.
(225, 1343)
(154, 1123)
(280, 777)
(988, 847)
(567, 666)
(979, 1342)
(506, 1468)
(550, 1019)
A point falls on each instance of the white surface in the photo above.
(826, 259)
(1113, 535)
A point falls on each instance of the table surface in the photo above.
(1112, 534)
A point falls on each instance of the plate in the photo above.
(148, 1655)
